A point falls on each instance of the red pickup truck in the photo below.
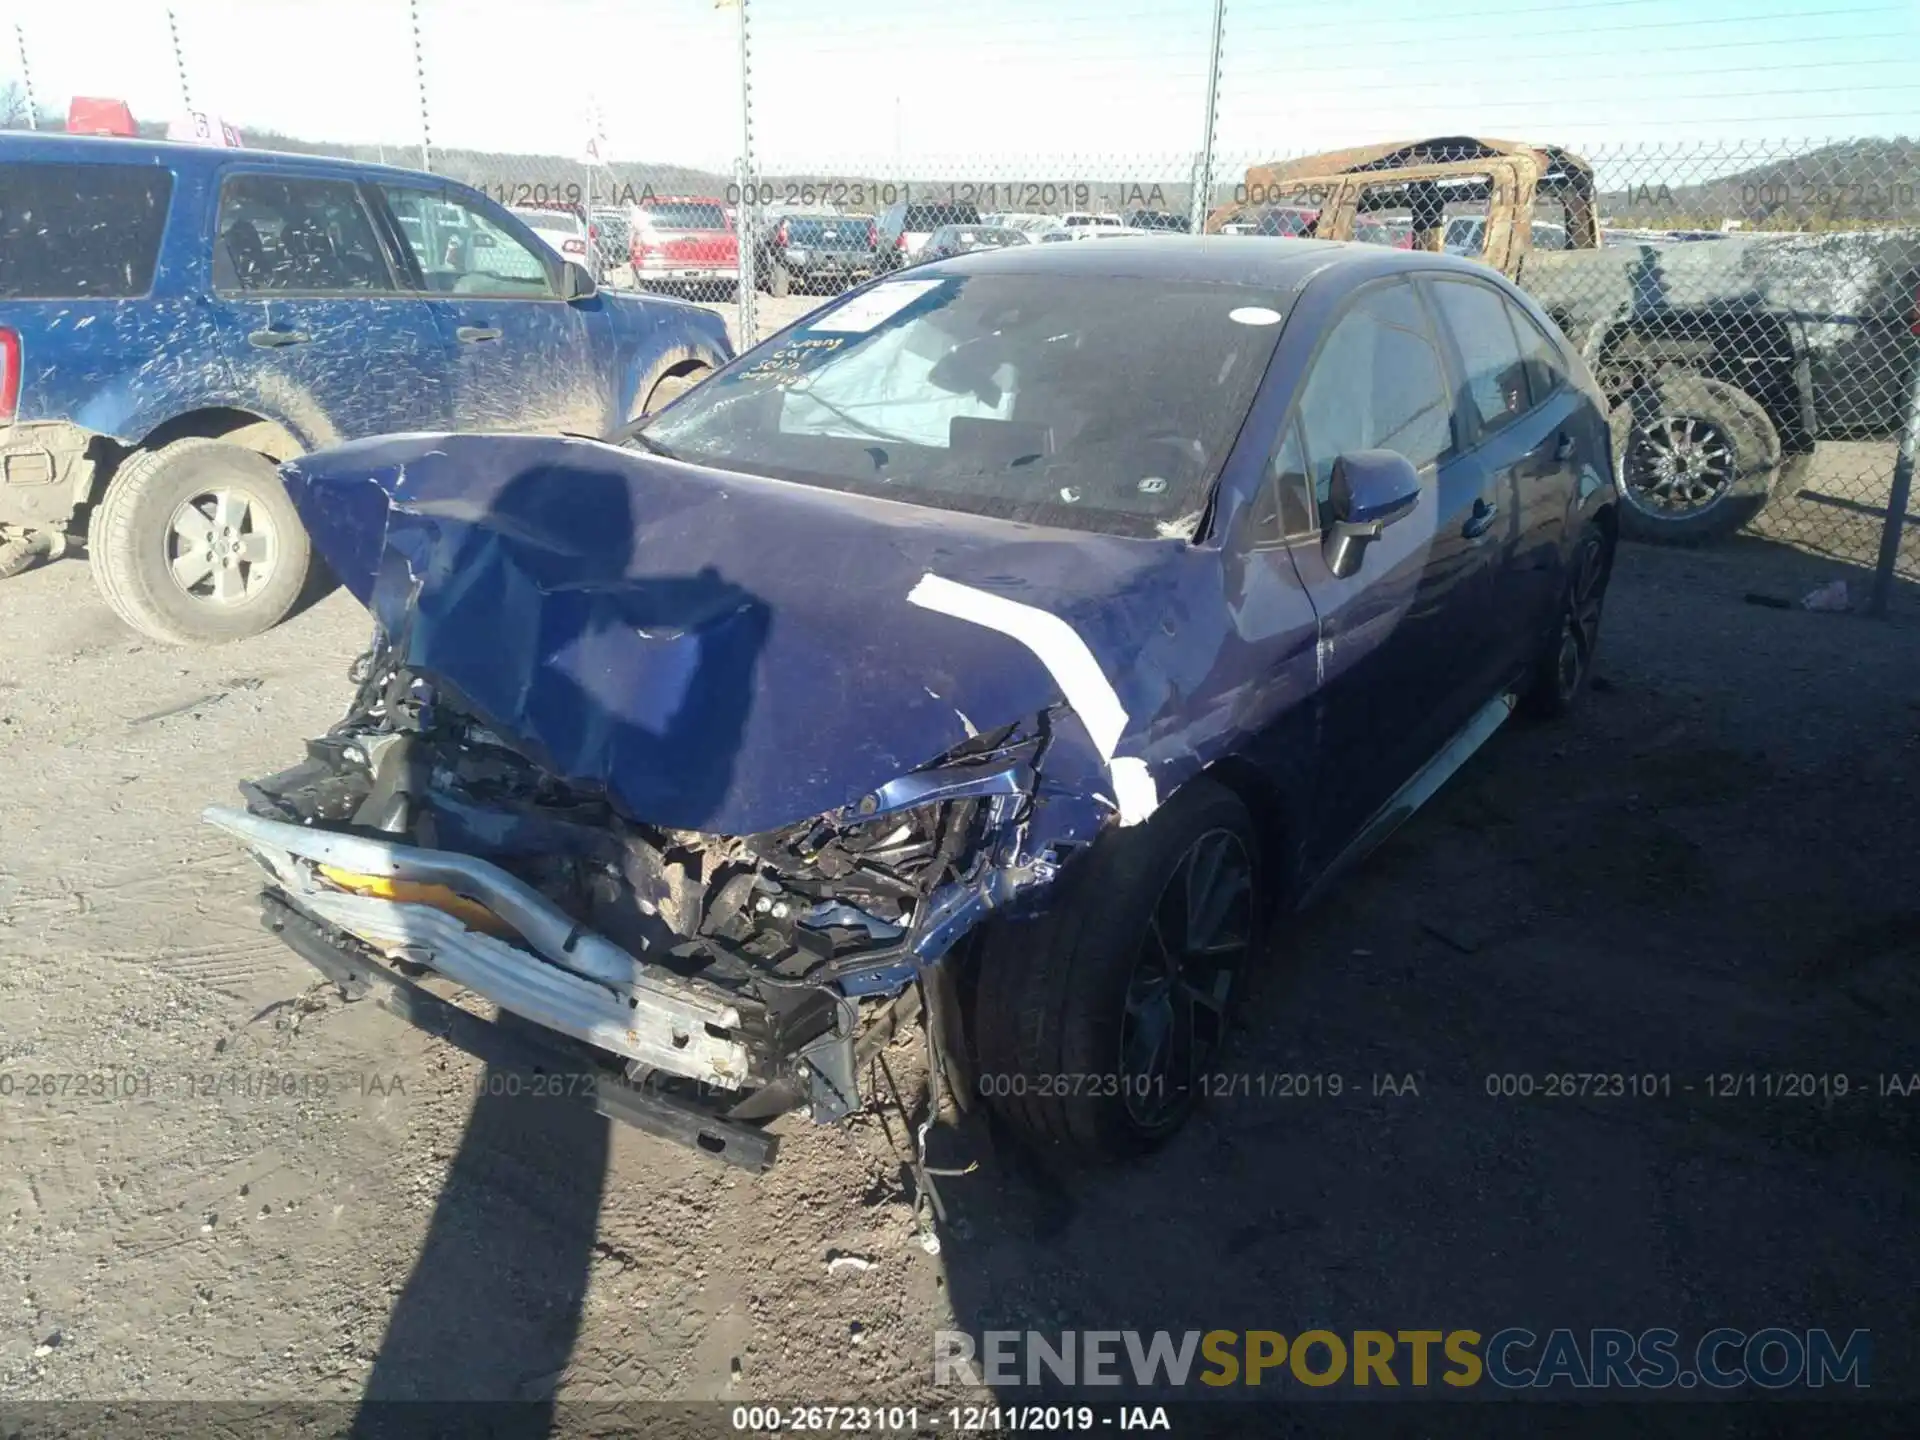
(685, 241)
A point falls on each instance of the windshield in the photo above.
(1094, 402)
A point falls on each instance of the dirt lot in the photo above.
(1711, 870)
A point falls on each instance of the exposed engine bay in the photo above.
(755, 971)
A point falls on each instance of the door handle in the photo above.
(1481, 520)
(274, 339)
(468, 334)
(1564, 447)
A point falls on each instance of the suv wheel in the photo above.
(1695, 459)
(1096, 1021)
(197, 542)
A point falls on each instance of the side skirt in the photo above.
(1415, 793)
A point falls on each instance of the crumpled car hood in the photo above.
(721, 652)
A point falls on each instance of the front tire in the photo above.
(197, 543)
(1695, 459)
(1096, 1022)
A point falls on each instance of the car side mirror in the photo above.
(1371, 490)
(576, 281)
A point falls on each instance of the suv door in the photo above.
(523, 359)
(1403, 639)
(311, 302)
(1521, 420)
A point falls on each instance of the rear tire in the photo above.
(197, 543)
(1565, 665)
(1694, 459)
(1080, 1047)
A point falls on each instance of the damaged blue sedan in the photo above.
(1001, 647)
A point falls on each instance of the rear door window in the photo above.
(1490, 359)
(80, 232)
(297, 236)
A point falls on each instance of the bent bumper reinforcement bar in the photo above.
(517, 1051)
(579, 984)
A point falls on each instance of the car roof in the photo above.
(31, 145)
(1224, 259)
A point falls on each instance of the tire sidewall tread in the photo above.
(126, 560)
(1048, 988)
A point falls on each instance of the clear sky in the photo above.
(999, 87)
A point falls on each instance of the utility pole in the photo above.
(179, 61)
(420, 83)
(745, 227)
(26, 77)
(1203, 168)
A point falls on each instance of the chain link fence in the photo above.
(1751, 306)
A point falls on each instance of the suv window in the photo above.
(1377, 383)
(684, 215)
(80, 232)
(463, 252)
(925, 218)
(1491, 364)
(310, 237)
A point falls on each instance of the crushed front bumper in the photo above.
(680, 1057)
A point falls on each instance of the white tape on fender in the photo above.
(1058, 646)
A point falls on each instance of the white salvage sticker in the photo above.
(863, 312)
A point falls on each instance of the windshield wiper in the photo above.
(652, 446)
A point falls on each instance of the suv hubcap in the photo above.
(1678, 464)
(221, 547)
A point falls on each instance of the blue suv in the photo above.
(176, 321)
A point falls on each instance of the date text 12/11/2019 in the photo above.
(958, 1419)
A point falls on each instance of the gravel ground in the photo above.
(1712, 868)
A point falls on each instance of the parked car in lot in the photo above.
(903, 227)
(951, 240)
(1022, 220)
(1090, 692)
(1157, 220)
(1467, 235)
(612, 239)
(561, 231)
(686, 244)
(177, 319)
(810, 251)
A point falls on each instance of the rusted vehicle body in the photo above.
(1725, 364)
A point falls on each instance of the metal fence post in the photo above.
(420, 84)
(26, 77)
(1897, 502)
(745, 227)
(1202, 200)
(179, 60)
